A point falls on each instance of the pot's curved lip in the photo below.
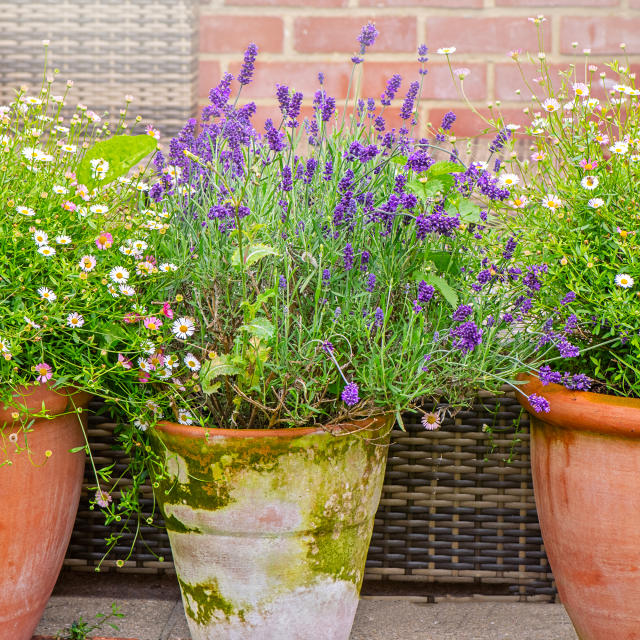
(584, 410)
(32, 397)
(192, 431)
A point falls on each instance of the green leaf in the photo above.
(440, 168)
(121, 152)
(260, 327)
(212, 369)
(441, 259)
(444, 288)
(252, 254)
(467, 211)
(399, 159)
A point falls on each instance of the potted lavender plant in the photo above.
(326, 275)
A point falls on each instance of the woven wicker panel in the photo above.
(453, 508)
(109, 48)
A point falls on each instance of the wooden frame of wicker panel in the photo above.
(457, 507)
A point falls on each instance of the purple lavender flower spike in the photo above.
(447, 120)
(367, 36)
(287, 179)
(393, 84)
(294, 108)
(466, 337)
(371, 282)
(328, 347)
(425, 291)
(422, 53)
(347, 257)
(248, 66)
(407, 106)
(462, 312)
(570, 297)
(548, 376)
(350, 394)
(539, 404)
(282, 93)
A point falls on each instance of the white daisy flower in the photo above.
(25, 211)
(113, 291)
(551, 202)
(192, 363)
(624, 280)
(139, 246)
(40, 237)
(127, 290)
(124, 180)
(172, 361)
(519, 202)
(61, 129)
(142, 186)
(31, 323)
(183, 328)
(550, 105)
(69, 148)
(46, 294)
(148, 347)
(127, 251)
(140, 424)
(167, 266)
(46, 250)
(445, 51)
(32, 153)
(619, 148)
(184, 417)
(4, 346)
(99, 208)
(99, 168)
(119, 275)
(581, 89)
(87, 263)
(508, 180)
(75, 320)
(172, 171)
(63, 240)
(592, 103)
(59, 189)
(144, 268)
(596, 203)
(479, 164)
(590, 182)
(602, 138)
(144, 365)
(163, 373)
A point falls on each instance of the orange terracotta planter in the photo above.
(39, 495)
(585, 459)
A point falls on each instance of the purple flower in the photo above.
(407, 106)
(282, 282)
(538, 403)
(287, 179)
(578, 382)
(466, 337)
(219, 96)
(248, 66)
(508, 318)
(571, 324)
(320, 78)
(393, 84)
(327, 174)
(310, 169)
(378, 317)
(350, 394)
(422, 53)
(509, 248)
(328, 347)
(425, 291)
(294, 108)
(347, 257)
(570, 297)
(500, 140)
(462, 312)
(357, 59)
(367, 36)
(566, 349)
(379, 124)
(548, 376)
(282, 93)
(275, 139)
(416, 307)
(419, 161)
(371, 282)
(326, 276)
(447, 120)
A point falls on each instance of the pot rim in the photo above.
(583, 410)
(193, 431)
(32, 396)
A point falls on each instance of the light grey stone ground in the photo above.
(378, 618)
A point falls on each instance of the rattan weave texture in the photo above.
(457, 507)
(109, 48)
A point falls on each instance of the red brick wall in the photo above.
(297, 39)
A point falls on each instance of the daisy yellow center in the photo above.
(42, 371)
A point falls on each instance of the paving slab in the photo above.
(153, 611)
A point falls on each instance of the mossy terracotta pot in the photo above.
(585, 458)
(270, 529)
(39, 494)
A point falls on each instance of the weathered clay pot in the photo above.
(585, 458)
(39, 495)
(270, 528)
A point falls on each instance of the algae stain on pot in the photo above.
(203, 602)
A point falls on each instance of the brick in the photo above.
(483, 35)
(444, 4)
(438, 83)
(634, 4)
(232, 34)
(324, 4)
(209, 75)
(557, 3)
(301, 76)
(601, 34)
(333, 34)
(469, 124)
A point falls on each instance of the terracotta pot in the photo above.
(585, 458)
(270, 528)
(39, 495)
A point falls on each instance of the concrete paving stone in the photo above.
(377, 619)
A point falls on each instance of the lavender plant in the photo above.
(331, 268)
